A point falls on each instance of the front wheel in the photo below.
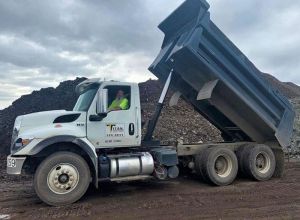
(62, 178)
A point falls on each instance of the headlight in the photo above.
(20, 143)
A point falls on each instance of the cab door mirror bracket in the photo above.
(102, 102)
(101, 105)
(98, 117)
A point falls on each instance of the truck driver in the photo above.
(120, 102)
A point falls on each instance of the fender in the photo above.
(82, 144)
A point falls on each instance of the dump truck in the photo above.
(66, 151)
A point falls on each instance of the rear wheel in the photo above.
(218, 165)
(259, 162)
(62, 178)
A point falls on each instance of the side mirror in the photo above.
(102, 102)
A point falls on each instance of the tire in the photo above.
(259, 162)
(240, 153)
(219, 166)
(62, 169)
(198, 166)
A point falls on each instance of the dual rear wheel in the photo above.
(256, 161)
(221, 165)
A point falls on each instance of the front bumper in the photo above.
(14, 165)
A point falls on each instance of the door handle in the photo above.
(137, 121)
(131, 129)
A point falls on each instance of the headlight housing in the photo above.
(15, 133)
(20, 143)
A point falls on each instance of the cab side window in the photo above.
(118, 98)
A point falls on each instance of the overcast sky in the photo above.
(45, 42)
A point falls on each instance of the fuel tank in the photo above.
(131, 165)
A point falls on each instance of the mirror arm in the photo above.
(98, 117)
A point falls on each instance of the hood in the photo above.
(47, 118)
(42, 125)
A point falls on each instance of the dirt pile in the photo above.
(288, 89)
(177, 123)
(295, 148)
(180, 123)
(61, 97)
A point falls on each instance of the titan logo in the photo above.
(115, 128)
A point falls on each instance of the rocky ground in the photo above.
(183, 198)
(295, 148)
(178, 123)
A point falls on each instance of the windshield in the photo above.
(85, 99)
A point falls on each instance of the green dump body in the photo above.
(218, 80)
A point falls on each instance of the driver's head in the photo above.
(120, 94)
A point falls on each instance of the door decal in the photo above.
(115, 130)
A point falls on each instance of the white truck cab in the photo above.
(90, 120)
(105, 143)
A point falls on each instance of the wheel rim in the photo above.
(262, 162)
(63, 178)
(161, 172)
(223, 166)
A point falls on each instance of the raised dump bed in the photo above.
(221, 83)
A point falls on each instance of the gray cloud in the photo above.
(45, 42)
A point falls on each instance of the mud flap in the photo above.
(279, 157)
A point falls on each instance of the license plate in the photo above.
(11, 162)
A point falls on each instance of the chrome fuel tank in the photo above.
(131, 165)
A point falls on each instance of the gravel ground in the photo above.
(295, 148)
(183, 198)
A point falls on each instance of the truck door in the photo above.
(119, 127)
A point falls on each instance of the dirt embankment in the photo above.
(179, 123)
(295, 148)
(183, 198)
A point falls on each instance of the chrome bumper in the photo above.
(14, 165)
